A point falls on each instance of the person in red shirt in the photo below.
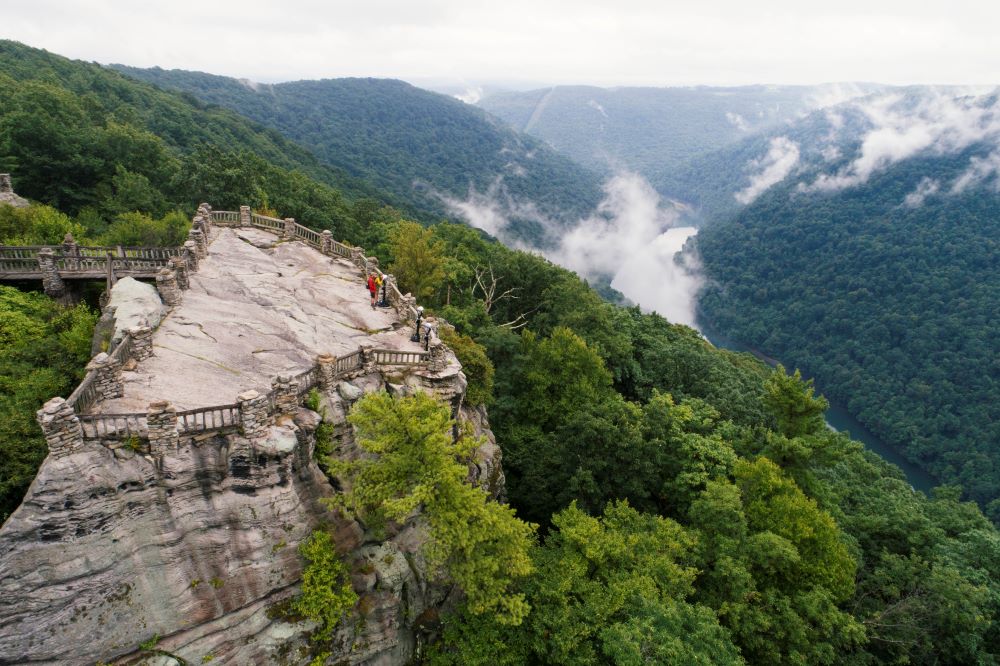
(372, 288)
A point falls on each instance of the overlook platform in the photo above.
(258, 307)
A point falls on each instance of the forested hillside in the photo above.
(418, 145)
(654, 131)
(692, 506)
(885, 290)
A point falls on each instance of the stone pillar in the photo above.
(358, 256)
(200, 241)
(327, 371)
(191, 255)
(5, 184)
(244, 216)
(161, 422)
(286, 394)
(438, 356)
(371, 265)
(166, 284)
(142, 342)
(391, 289)
(404, 308)
(53, 284)
(206, 214)
(179, 267)
(61, 427)
(368, 359)
(70, 250)
(326, 246)
(108, 381)
(253, 414)
(289, 228)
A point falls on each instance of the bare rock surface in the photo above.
(257, 308)
(134, 303)
(7, 195)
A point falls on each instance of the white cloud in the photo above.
(594, 105)
(471, 95)
(737, 120)
(629, 237)
(980, 170)
(781, 158)
(925, 188)
(901, 127)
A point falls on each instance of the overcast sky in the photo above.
(607, 42)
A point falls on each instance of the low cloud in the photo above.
(902, 126)
(738, 121)
(471, 95)
(781, 158)
(630, 238)
(925, 188)
(980, 170)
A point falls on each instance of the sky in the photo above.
(522, 43)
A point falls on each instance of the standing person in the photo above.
(372, 288)
(378, 288)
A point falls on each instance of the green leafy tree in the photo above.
(418, 469)
(327, 594)
(418, 262)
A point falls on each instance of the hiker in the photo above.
(372, 288)
(428, 328)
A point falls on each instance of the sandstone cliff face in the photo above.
(111, 548)
(195, 541)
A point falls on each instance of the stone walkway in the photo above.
(257, 308)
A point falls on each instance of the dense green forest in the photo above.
(691, 506)
(891, 307)
(410, 142)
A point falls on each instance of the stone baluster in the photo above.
(286, 394)
(244, 216)
(289, 228)
(327, 371)
(179, 267)
(253, 414)
(51, 282)
(166, 284)
(191, 255)
(161, 423)
(368, 359)
(438, 355)
(142, 342)
(326, 246)
(358, 256)
(61, 427)
(198, 237)
(108, 381)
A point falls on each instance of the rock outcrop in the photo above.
(190, 541)
(7, 195)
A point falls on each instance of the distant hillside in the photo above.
(653, 131)
(871, 263)
(421, 146)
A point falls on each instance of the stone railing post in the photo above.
(253, 414)
(326, 245)
(191, 255)
(327, 371)
(371, 265)
(358, 256)
(166, 284)
(142, 342)
(286, 394)
(391, 289)
(108, 381)
(5, 185)
(244, 216)
(405, 307)
(61, 427)
(200, 241)
(206, 215)
(161, 423)
(289, 228)
(71, 250)
(51, 282)
(438, 356)
(179, 266)
(368, 359)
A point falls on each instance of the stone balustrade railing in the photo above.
(66, 425)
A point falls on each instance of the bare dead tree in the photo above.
(488, 284)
